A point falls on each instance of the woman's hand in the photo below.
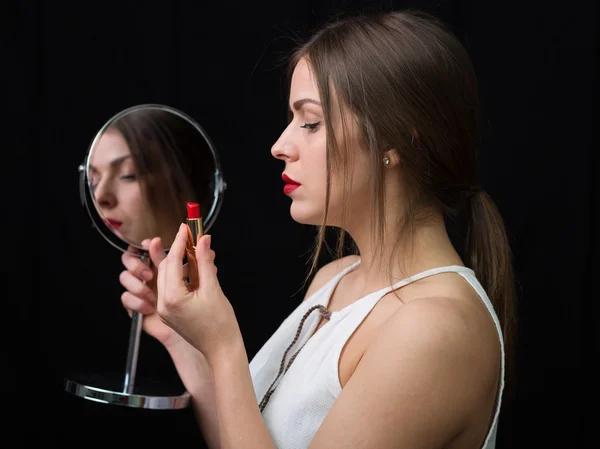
(204, 317)
(139, 281)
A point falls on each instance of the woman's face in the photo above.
(302, 146)
(117, 190)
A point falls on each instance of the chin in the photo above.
(304, 215)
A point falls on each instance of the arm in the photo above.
(205, 319)
(193, 368)
(240, 422)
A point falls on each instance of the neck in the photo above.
(403, 252)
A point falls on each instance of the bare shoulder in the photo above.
(326, 272)
(444, 322)
(446, 310)
(458, 330)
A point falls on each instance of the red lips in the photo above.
(289, 180)
(290, 184)
(115, 224)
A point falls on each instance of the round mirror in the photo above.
(142, 168)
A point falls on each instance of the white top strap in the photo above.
(424, 274)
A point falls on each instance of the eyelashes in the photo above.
(126, 178)
(310, 126)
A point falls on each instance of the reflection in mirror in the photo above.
(143, 167)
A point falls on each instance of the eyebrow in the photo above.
(115, 162)
(299, 103)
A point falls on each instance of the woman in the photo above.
(400, 345)
(140, 173)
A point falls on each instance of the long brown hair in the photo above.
(410, 86)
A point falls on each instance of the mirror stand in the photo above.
(128, 395)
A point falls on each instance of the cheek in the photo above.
(132, 199)
(314, 164)
(318, 178)
(352, 186)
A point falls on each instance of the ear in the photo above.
(393, 157)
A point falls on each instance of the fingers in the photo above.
(156, 251)
(206, 262)
(131, 302)
(170, 280)
(136, 266)
(136, 287)
(173, 263)
(177, 250)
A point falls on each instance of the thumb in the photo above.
(156, 251)
(206, 262)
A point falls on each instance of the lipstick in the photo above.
(194, 221)
(195, 231)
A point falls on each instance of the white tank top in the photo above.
(306, 392)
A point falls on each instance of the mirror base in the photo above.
(107, 390)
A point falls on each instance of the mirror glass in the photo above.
(142, 168)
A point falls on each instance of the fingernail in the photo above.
(207, 241)
(147, 275)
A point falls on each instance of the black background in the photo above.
(70, 67)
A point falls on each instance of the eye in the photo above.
(129, 177)
(93, 182)
(310, 126)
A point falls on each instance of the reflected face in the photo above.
(303, 148)
(117, 189)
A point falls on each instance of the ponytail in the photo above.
(489, 255)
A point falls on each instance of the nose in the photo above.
(104, 195)
(285, 149)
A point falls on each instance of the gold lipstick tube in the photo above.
(195, 226)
